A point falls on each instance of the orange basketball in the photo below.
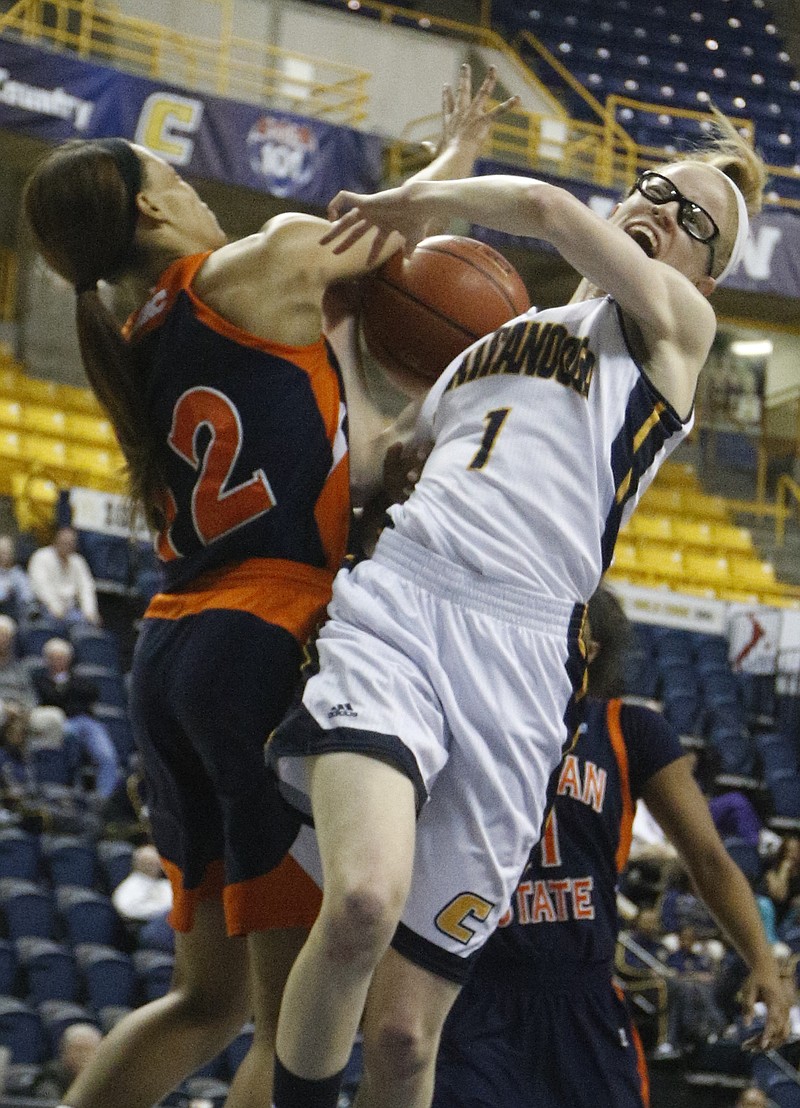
(419, 313)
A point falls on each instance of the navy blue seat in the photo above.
(50, 970)
(777, 752)
(94, 646)
(737, 752)
(745, 855)
(27, 909)
(88, 916)
(119, 728)
(153, 973)
(50, 764)
(783, 1090)
(71, 860)
(21, 1031)
(236, 1050)
(33, 634)
(8, 967)
(19, 854)
(784, 790)
(108, 556)
(111, 1015)
(109, 682)
(108, 975)
(56, 1017)
(115, 857)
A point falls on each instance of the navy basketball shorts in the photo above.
(206, 691)
(519, 1036)
(466, 685)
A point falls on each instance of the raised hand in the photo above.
(469, 118)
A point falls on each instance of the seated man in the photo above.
(76, 696)
(62, 582)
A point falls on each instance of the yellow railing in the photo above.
(787, 498)
(9, 267)
(226, 65)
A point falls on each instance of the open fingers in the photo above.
(506, 106)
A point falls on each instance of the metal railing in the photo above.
(226, 65)
(9, 270)
(787, 500)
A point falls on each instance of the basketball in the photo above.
(420, 312)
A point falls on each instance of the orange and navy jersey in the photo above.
(564, 909)
(252, 441)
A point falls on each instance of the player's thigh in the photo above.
(211, 967)
(364, 815)
(272, 955)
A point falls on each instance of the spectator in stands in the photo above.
(680, 907)
(44, 723)
(76, 696)
(16, 779)
(16, 594)
(648, 935)
(781, 882)
(62, 582)
(146, 892)
(76, 1048)
(694, 1016)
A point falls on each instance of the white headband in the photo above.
(742, 227)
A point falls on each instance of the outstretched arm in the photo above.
(681, 809)
(675, 320)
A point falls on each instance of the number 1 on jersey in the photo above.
(494, 421)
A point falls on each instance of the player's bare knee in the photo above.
(359, 924)
(397, 1050)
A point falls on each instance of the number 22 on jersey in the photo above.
(217, 507)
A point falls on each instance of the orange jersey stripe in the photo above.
(177, 278)
(641, 1061)
(288, 594)
(285, 897)
(621, 754)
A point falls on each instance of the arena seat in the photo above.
(783, 786)
(236, 1050)
(109, 682)
(153, 973)
(19, 854)
(8, 967)
(21, 1031)
(27, 908)
(49, 764)
(33, 634)
(10, 414)
(88, 916)
(95, 646)
(50, 970)
(108, 974)
(70, 859)
(57, 1015)
(115, 856)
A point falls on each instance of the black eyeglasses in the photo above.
(694, 220)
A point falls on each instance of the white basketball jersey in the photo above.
(546, 433)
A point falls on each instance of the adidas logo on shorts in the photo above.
(342, 710)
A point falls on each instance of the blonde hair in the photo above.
(729, 151)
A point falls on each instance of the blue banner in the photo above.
(771, 261)
(55, 96)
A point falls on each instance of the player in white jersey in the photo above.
(451, 659)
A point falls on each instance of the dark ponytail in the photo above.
(81, 205)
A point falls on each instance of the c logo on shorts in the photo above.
(452, 919)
